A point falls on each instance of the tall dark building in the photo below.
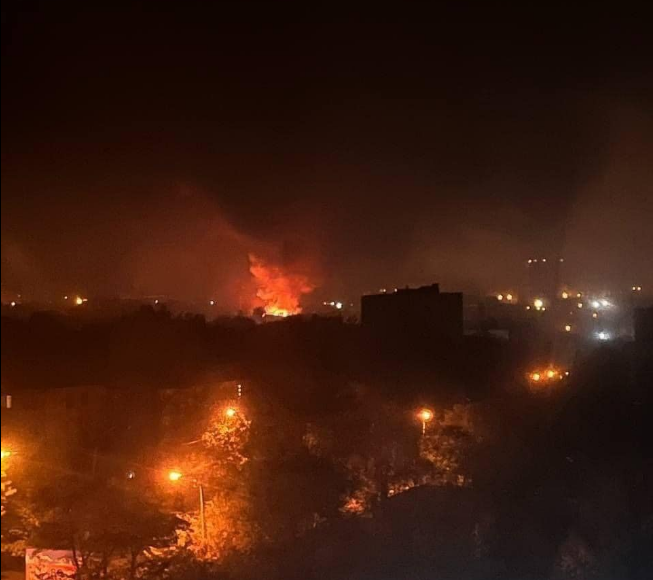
(415, 313)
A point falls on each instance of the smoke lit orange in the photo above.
(279, 292)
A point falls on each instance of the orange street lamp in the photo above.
(536, 377)
(175, 476)
(231, 412)
(425, 416)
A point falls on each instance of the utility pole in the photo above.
(202, 512)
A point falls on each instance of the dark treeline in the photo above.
(324, 472)
(153, 348)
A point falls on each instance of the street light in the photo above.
(231, 412)
(175, 476)
(6, 454)
(425, 416)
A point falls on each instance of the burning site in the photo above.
(278, 291)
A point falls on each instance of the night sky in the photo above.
(148, 150)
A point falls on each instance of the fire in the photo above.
(279, 292)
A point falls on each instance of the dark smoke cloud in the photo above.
(360, 154)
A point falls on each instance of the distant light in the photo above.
(568, 328)
(156, 302)
(230, 412)
(534, 261)
(528, 308)
(339, 305)
(500, 297)
(6, 454)
(509, 297)
(580, 305)
(79, 301)
(131, 475)
(543, 308)
(605, 303)
(579, 295)
(595, 314)
(596, 304)
(212, 302)
(530, 261)
(566, 373)
(544, 259)
(603, 335)
(565, 295)
(65, 297)
(562, 260)
(536, 376)
(13, 304)
(175, 476)
(538, 303)
(550, 374)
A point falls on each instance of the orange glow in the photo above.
(568, 328)
(175, 476)
(548, 376)
(231, 413)
(538, 303)
(565, 295)
(6, 454)
(79, 301)
(278, 292)
(509, 297)
(425, 415)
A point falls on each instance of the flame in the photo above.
(279, 292)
